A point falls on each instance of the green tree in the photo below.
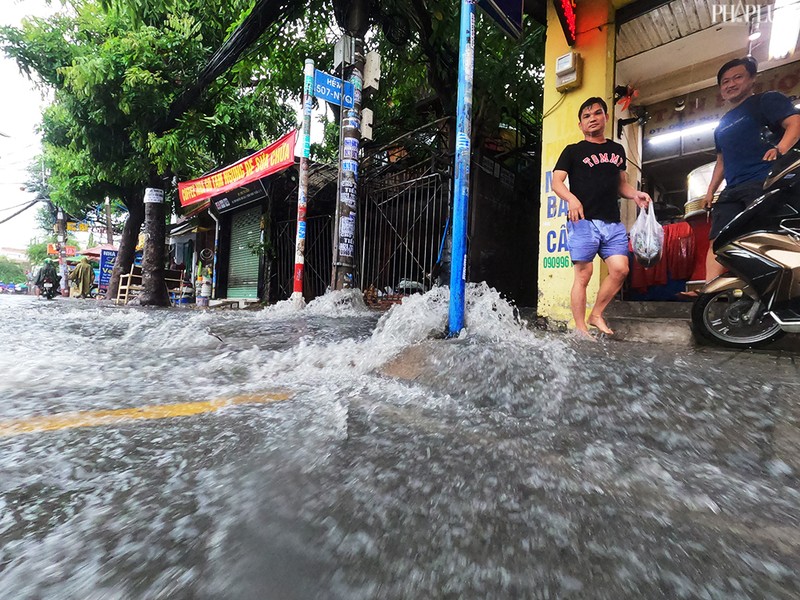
(418, 43)
(115, 78)
(37, 252)
(11, 272)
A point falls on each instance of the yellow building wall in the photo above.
(595, 44)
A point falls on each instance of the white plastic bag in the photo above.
(647, 237)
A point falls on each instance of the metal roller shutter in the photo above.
(243, 267)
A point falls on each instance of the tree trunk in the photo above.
(127, 245)
(154, 290)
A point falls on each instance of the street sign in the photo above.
(107, 259)
(507, 14)
(72, 226)
(153, 196)
(68, 250)
(329, 88)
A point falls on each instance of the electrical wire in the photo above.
(555, 106)
(19, 212)
(15, 206)
(265, 13)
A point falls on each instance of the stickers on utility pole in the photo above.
(153, 196)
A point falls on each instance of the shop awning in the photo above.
(274, 158)
(188, 226)
(95, 252)
(196, 209)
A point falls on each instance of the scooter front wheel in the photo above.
(728, 318)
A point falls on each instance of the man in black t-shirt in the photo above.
(596, 171)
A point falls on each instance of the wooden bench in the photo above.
(130, 284)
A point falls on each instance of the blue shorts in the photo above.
(587, 239)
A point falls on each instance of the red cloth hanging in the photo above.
(701, 227)
(680, 250)
(678, 258)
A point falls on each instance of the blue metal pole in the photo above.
(458, 268)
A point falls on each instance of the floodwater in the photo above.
(505, 464)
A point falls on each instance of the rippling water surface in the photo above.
(504, 464)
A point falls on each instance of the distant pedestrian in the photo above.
(83, 276)
(596, 171)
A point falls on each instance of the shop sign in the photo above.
(107, 260)
(555, 253)
(565, 9)
(72, 226)
(272, 159)
(68, 250)
(246, 194)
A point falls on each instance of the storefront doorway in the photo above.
(244, 258)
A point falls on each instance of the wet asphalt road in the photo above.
(508, 464)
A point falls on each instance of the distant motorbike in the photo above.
(49, 288)
(758, 300)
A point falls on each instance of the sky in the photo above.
(20, 112)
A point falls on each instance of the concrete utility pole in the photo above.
(302, 182)
(353, 17)
(154, 292)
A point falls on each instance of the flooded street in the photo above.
(337, 453)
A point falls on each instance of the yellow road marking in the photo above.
(94, 418)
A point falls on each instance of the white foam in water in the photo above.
(493, 327)
(337, 303)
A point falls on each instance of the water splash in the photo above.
(333, 304)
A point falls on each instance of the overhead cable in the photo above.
(264, 14)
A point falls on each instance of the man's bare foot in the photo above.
(691, 295)
(600, 323)
(583, 334)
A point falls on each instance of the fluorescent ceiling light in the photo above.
(674, 135)
(785, 28)
(755, 30)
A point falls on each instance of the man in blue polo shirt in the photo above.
(744, 153)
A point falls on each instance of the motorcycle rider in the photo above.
(48, 271)
(744, 157)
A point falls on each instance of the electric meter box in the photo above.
(568, 71)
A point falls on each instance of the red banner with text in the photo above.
(275, 157)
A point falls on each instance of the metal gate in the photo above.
(318, 256)
(243, 265)
(402, 221)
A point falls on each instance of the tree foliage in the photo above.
(418, 42)
(11, 272)
(115, 75)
